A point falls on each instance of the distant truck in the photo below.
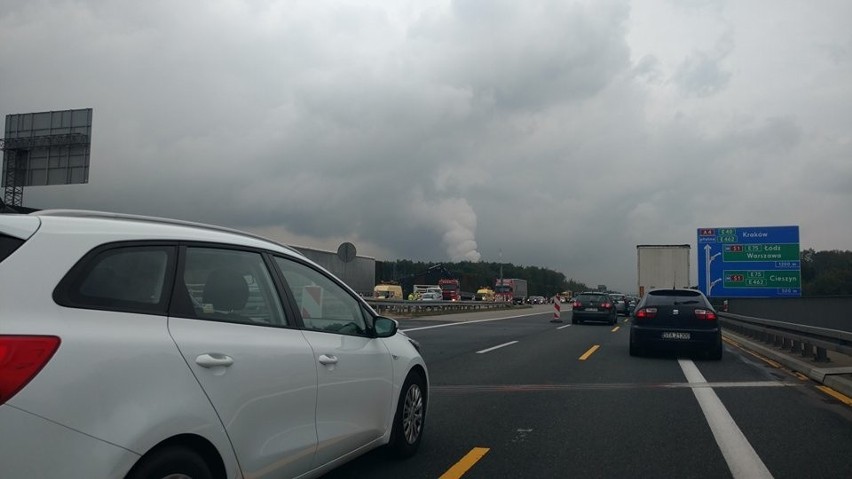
(451, 290)
(565, 296)
(514, 290)
(662, 266)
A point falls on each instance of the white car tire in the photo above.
(172, 461)
(410, 417)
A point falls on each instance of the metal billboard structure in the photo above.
(749, 262)
(45, 148)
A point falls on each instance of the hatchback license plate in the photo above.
(675, 335)
(591, 309)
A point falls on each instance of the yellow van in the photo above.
(387, 291)
(484, 294)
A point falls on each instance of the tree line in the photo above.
(472, 276)
(826, 273)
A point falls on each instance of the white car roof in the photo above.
(18, 226)
(118, 226)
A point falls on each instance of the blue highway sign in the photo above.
(749, 262)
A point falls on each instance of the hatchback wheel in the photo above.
(410, 417)
(171, 463)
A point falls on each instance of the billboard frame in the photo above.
(45, 148)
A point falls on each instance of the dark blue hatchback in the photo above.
(675, 319)
(593, 306)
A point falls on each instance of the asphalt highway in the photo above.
(515, 395)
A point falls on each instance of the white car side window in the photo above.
(233, 286)
(323, 304)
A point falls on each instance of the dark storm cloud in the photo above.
(558, 134)
(529, 56)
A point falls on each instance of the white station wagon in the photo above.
(148, 348)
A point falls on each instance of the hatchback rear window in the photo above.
(675, 297)
(8, 245)
(591, 297)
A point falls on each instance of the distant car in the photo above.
(136, 347)
(431, 296)
(676, 319)
(593, 306)
(536, 300)
(620, 303)
(632, 301)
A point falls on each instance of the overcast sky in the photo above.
(556, 133)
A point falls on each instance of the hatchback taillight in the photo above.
(576, 304)
(705, 314)
(646, 313)
(21, 358)
(606, 305)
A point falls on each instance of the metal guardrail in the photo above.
(808, 341)
(388, 306)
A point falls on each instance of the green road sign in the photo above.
(762, 279)
(760, 252)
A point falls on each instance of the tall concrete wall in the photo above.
(359, 274)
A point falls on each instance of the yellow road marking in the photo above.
(464, 465)
(765, 360)
(590, 352)
(831, 392)
(836, 395)
(616, 328)
(768, 361)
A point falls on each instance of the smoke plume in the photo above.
(455, 218)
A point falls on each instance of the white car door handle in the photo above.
(327, 359)
(212, 360)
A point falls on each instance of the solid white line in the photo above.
(496, 347)
(459, 323)
(736, 384)
(742, 460)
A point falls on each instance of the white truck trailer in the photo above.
(662, 266)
